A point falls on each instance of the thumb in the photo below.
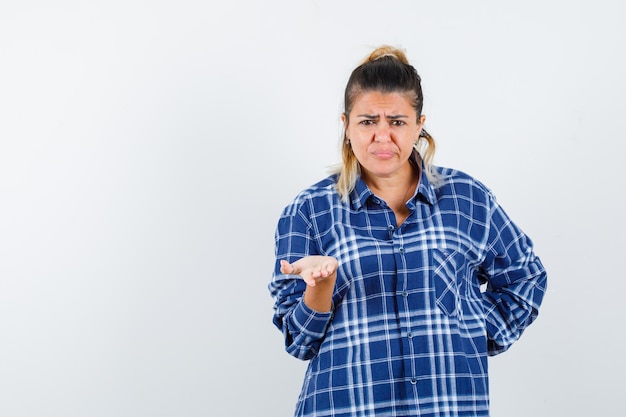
(287, 268)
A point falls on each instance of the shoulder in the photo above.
(456, 183)
(317, 197)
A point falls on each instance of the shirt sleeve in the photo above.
(516, 282)
(303, 329)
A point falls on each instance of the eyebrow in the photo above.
(375, 116)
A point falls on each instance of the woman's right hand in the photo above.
(312, 269)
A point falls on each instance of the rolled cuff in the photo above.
(310, 323)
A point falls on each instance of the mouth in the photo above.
(383, 154)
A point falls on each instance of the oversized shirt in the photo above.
(417, 309)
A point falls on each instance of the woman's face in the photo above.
(382, 130)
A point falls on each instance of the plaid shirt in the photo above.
(417, 309)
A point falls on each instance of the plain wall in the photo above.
(147, 149)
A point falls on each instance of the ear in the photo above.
(344, 120)
(420, 124)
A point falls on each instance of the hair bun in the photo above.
(387, 50)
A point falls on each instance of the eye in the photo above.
(398, 123)
(366, 122)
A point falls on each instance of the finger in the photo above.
(285, 267)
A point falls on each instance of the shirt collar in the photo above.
(360, 194)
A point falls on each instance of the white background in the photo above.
(147, 148)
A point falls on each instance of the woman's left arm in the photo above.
(516, 282)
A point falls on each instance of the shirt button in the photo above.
(401, 250)
(413, 380)
(409, 335)
(405, 294)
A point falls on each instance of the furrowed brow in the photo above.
(376, 116)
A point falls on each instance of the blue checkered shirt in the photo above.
(417, 309)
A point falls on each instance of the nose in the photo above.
(383, 132)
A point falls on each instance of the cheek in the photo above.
(358, 147)
(349, 132)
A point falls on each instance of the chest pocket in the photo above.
(448, 272)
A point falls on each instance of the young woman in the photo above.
(395, 278)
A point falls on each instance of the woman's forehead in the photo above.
(381, 100)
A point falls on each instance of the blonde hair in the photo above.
(386, 69)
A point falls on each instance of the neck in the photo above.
(400, 185)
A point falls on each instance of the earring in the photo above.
(347, 142)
